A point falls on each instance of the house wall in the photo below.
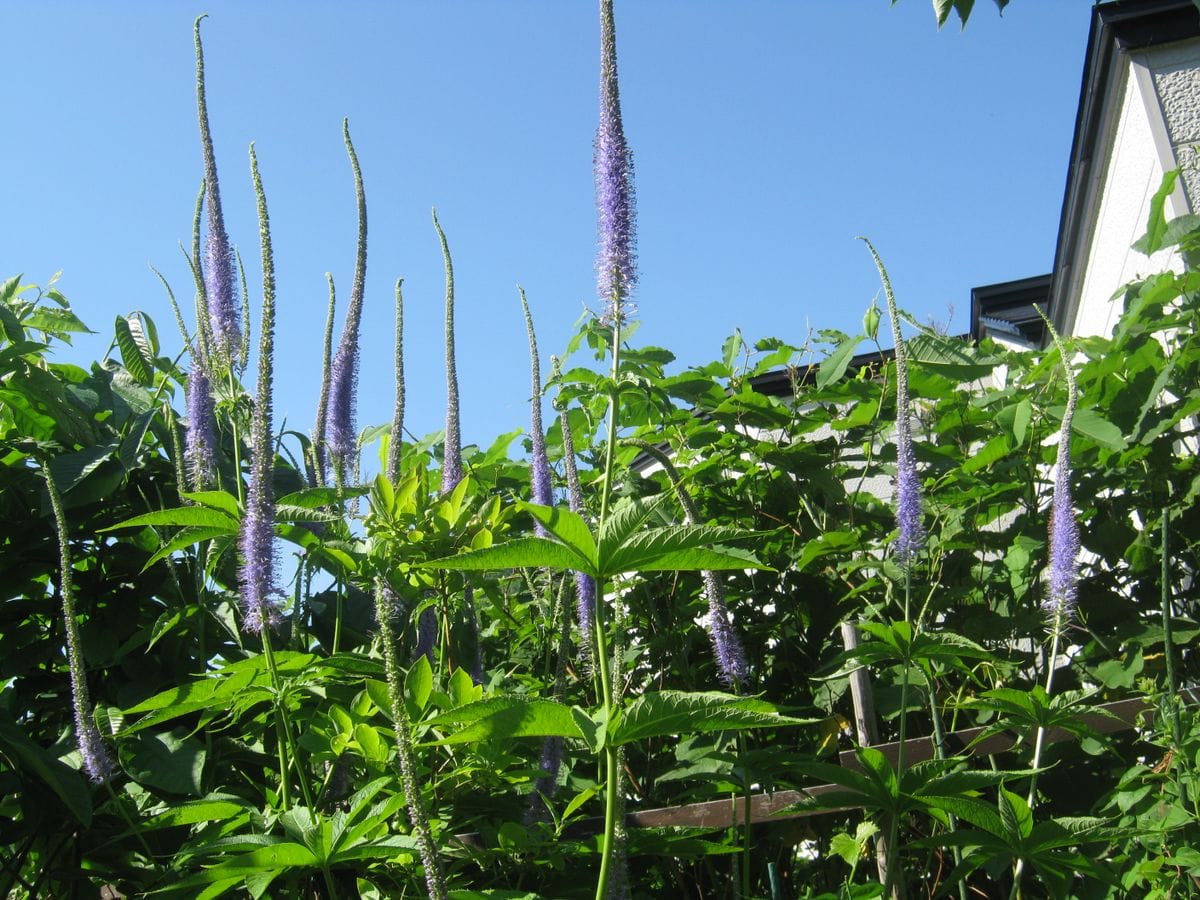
(1157, 104)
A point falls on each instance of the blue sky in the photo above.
(766, 136)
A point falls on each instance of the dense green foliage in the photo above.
(185, 700)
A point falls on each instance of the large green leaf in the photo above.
(625, 519)
(501, 718)
(531, 552)
(135, 350)
(182, 515)
(171, 760)
(834, 366)
(66, 782)
(661, 713)
(680, 548)
(568, 527)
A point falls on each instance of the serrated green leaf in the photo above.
(568, 527)
(680, 548)
(180, 516)
(531, 552)
(135, 354)
(418, 685)
(68, 784)
(661, 713)
(219, 500)
(834, 366)
(502, 718)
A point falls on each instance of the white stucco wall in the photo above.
(1140, 152)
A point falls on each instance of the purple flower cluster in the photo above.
(452, 468)
(539, 465)
(257, 538)
(96, 762)
(908, 481)
(908, 486)
(201, 437)
(343, 380)
(616, 207)
(1064, 529)
(727, 646)
(585, 585)
(1064, 541)
(219, 283)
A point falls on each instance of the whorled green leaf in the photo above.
(531, 552)
(834, 366)
(136, 355)
(626, 518)
(182, 516)
(502, 718)
(568, 527)
(662, 713)
(67, 783)
(681, 548)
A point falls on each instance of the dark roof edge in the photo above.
(1120, 25)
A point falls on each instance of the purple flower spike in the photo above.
(343, 380)
(219, 283)
(257, 537)
(1064, 529)
(96, 762)
(727, 647)
(452, 467)
(1064, 541)
(908, 491)
(908, 481)
(539, 466)
(201, 439)
(257, 543)
(616, 207)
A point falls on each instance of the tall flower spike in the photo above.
(908, 482)
(319, 450)
(396, 439)
(452, 470)
(257, 575)
(220, 288)
(201, 435)
(616, 207)
(343, 385)
(585, 585)
(1064, 529)
(96, 762)
(727, 646)
(538, 464)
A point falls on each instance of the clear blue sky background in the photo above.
(766, 136)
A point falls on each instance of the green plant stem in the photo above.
(284, 724)
(1168, 651)
(1039, 741)
(746, 833)
(435, 879)
(608, 678)
(939, 750)
(237, 444)
(894, 866)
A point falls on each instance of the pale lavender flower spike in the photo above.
(727, 646)
(257, 538)
(201, 438)
(908, 482)
(220, 287)
(452, 468)
(96, 762)
(343, 379)
(1064, 529)
(539, 465)
(616, 261)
